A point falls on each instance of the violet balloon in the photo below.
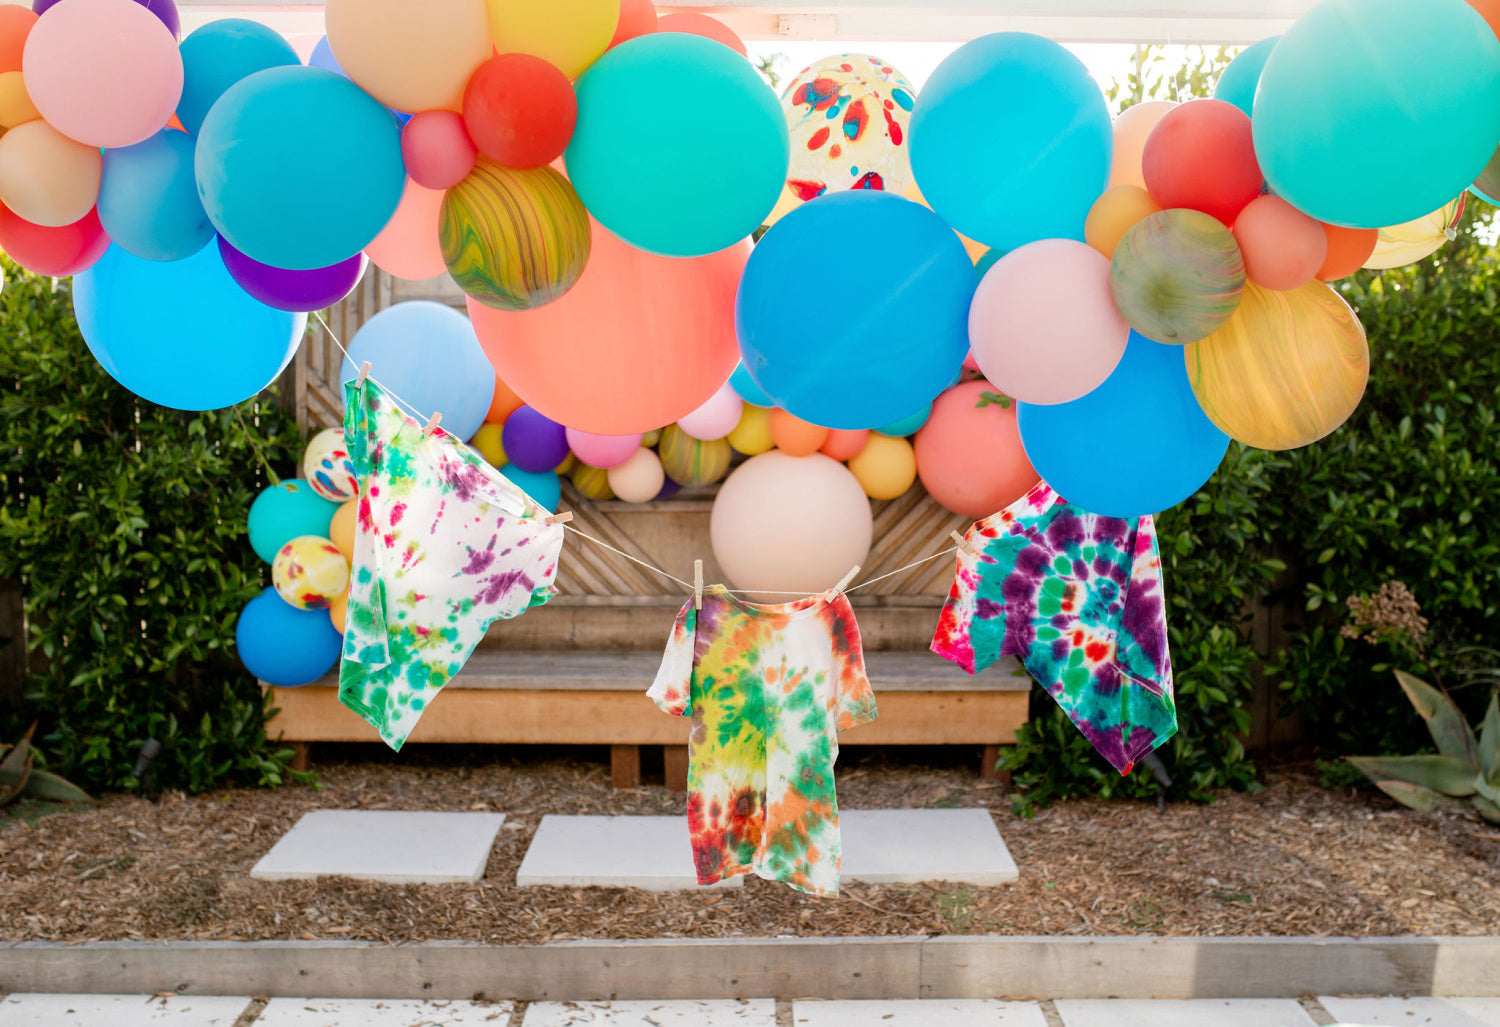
(296, 291)
(165, 10)
(533, 441)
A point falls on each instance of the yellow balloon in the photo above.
(566, 465)
(1418, 239)
(570, 34)
(1287, 369)
(592, 482)
(341, 530)
(886, 467)
(16, 107)
(753, 434)
(410, 56)
(486, 442)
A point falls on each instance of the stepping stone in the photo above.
(908, 846)
(759, 1012)
(392, 846)
(918, 1013)
(654, 853)
(1414, 1012)
(354, 1012)
(1195, 1012)
(120, 1011)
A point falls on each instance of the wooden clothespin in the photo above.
(964, 543)
(844, 581)
(364, 372)
(697, 584)
(432, 425)
(559, 518)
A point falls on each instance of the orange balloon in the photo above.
(795, 436)
(639, 342)
(969, 453)
(16, 107)
(505, 403)
(637, 18)
(341, 529)
(1283, 247)
(1490, 11)
(408, 247)
(15, 25)
(1348, 249)
(338, 610)
(1131, 129)
(845, 445)
(702, 25)
(1114, 213)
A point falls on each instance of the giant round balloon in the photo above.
(308, 205)
(651, 179)
(148, 198)
(1373, 113)
(514, 239)
(1177, 276)
(408, 246)
(1164, 454)
(870, 356)
(1287, 369)
(1010, 140)
(219, 54)
(47, 178)
(969, 452)
(568, 34)
(54, 252)
(284, 646)
(182, 334)
(1414, 240)
(285, 511)
(304, 291)
(1237, 82)
(426, 354)
(412, 57)
(640, 341)
(790, 524)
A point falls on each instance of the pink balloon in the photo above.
(716, 418)
(102, 72)
(1044, 327)
(969, 364)
(437, 149)
(408, 246)
(604, 451)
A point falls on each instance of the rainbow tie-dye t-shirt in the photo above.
(768, 689)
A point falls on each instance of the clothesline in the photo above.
(688, 586)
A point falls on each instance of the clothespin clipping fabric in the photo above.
(844, 582)
(697, 584)
(964, 543)
(432, 425)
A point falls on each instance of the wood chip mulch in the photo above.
(1294, 859)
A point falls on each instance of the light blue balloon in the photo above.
(1136, 445)
(182, 334)
(427, 355)
(1237, 82)
(746, 388)
(287, 511)
(911, 423)
(855, 361)
(1011, 140)
(544, 487)
(681, 148)
(299, 168)
(284, 646)
(219, 54)
(1371, 113)
(322, 57)
(148, 198)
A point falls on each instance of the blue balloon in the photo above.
(911, 423)
(183, 334)
(1237, 82)
(284, 646)
(1136, 445)
(1011, 140)
(299, 168)
(544, 487)
(745, 387)
(871, 356)
(1371, 113)
(218, 55)
(148, 198)
(322, 57)
(427, 356)
(666, 182)
(287, 511)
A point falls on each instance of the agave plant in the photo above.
(20, 776)
(1465, 767)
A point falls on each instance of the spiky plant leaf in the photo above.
(1444, 720)
(1440, 773)
(43, 784)
(1487, 809)
(18, 776)
(1417, 797)
(1489, 742)
(14, 757)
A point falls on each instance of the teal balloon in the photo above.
(681, 148)
(1011, 140)
(990, 259)
(287, 511)
(747, 389)
(1371, 113)
(911, 423)
(299, 168)
(544, 487)
(218, 55)
(183, 334)
(1237, 82)
(148, 199)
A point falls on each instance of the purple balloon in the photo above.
(669, 488)
(296, 291)
(166, 10)
(534, 442)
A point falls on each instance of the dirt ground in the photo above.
(1294, 859)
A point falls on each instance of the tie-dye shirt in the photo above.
(768, 689)
(1078, 597)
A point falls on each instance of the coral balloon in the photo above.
(1177, 276)
(1043, 326)
(297, 291)
(794, 436)
(844, 444)
(1201, 155)
(309, 572)
(639, 342)
(885, 468)
(603, 451)
(752, 435)
(702, 25)
(637, 18)
(341, 529)
(1114, 214)
(437, 149)
(54, 252)
(15, 26)
(569, 34)
(1287, 369)
(326, 464)
(411, 57)
(969, 453)
(1411, 241)
(408, 246)
(638, 479)
(16, 107)
(693, 463)
(1131, 130)
(520, 111)
(1283, 247)
(716, 418)
(47, 178)
(1348, 249)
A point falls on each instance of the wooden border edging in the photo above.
(784, 968)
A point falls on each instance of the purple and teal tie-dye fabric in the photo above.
(1078, 597)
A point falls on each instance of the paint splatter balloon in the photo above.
(309, 571)
(326, 465)
(691, 463)
(1177, 276)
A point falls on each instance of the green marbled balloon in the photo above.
(1177, 276)
(691, 462)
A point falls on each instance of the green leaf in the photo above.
(1414, 796)
(1489, 742)
(44, 784)
(1440, 773)
(1450, 730)
(1487, 809)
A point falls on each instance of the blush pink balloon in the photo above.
(1130, 131)
(1043, 326)
(102, 72)
(408, 246)
(437, 149)
(715, 418)
(604, 451)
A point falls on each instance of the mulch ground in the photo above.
(1294, 859)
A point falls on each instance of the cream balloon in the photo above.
(47, 178)
(639, 479)
(1131, 129)
(410, 56)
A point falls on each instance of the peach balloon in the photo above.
(1131, 129)
(409, 56)
(341, 529)
(702, 25)
(505, 403)
(885, 468)
(1114, 214)
(969, 453)
(16, 107)
(845, 445)
(716, 418)
(795, 436)
(408, 246)
(1283, 247)
(338, 610)
(103, 72)
(47, 178)
(639, 342)
(639, 479)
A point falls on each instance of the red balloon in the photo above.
(1283, 247)
(437, 149)
(969, 453)
(702, 25)
(520, 110)
(53, 252)
(637, 18)
(1201, 155)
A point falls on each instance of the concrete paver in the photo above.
(120, 1011)
(1414, 1012)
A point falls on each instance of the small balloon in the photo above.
(1114, 214)
(1177, 276)
(702, 25)
(437, 149)
(639, 479)
(148, 198)
(408, 246)
(544, 487)
(520, 111)
(284, 646)
(969, 453)
(55, 252)
(886, 467)
(534, 442)
(1131, 130)
(1348, 249)
(794, 436)
(47, 178)
(297, 291)
(752, 435)
(716, 418)
(569, 34)
(1400, 245)
(326, 464)
(602, 451)
(219, 54)
(747, 389)
(1201, 156)
(285, 511)
(690, 462)
(1283, 247)
(309, 572)
(1237, 82)
(411, 57)
(845, 444)
(637, 18)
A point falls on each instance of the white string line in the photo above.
(632, 559)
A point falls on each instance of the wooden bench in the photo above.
(597, 698)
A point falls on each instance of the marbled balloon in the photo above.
(1177, 275)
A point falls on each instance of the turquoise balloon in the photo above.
(544, 487)
(287, 511)
(299, 168)
(148, 199)
(746, 388)
(1237, 83)
(1011, 141)
(911, 423)
(218, 55)
(681, 148)
(990, 259)
(1375, 112)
